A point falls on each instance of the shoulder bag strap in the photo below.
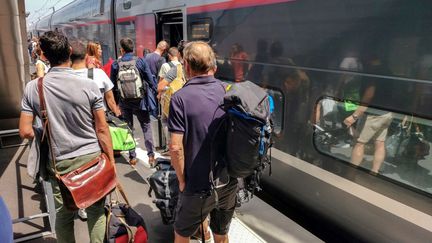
(46, 127)
(120, 189)
(90, 73)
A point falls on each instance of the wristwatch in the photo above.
(355, 117)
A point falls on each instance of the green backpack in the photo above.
(121, 134)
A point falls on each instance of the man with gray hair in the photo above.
(195, 116)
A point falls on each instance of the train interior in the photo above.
(169, 26)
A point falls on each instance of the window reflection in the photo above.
(392, 144)
(277, 114)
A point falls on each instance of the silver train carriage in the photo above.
(319, 60)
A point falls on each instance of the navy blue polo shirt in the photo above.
(195, 111)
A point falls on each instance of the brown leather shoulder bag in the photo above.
(86, 185)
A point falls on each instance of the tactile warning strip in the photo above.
(241, 233)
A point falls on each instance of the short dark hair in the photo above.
(146, 51)
(181, 45)
(78, 51)
(127, 45)
(55, 47)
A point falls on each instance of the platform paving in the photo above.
(255, 221)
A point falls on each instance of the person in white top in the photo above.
(174, 61)
(78, 58)
(173, 54)
(42, 64)
(97, 75)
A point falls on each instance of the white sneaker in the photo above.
(82, 214)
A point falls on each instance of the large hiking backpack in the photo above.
(129, 82)
(248, 131)
(173, 87)
(165, 186)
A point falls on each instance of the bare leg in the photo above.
(357, 153)
(180, 239)
(220, 238)
(379, 156)
(206, 229)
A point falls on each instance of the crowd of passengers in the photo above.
(77, 101)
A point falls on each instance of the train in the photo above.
(315, 59)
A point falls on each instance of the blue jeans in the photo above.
(130, 108)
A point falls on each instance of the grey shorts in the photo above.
(193, 208)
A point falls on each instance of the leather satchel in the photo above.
(86, 185)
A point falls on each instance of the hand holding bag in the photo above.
(86, 185)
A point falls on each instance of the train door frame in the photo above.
(174, 11)
(159, 36)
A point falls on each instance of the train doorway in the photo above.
(170, 26)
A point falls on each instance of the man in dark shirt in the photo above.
(140, 107)
(155, 60)
(194, 117)
(372, 123)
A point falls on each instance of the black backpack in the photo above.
(248, 131)
(165, 186)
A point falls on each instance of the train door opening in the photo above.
(170, 25)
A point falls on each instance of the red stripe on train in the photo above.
(119, 20)
(231, 5)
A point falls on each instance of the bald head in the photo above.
(199, 57)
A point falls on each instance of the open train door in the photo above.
(170, 25)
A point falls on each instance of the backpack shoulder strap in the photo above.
(119, 61)
(90, 73)
(171, 64)
(180, 72)
(133, 61)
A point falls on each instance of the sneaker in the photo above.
(82, 214)
(133, 161)
(152, 161)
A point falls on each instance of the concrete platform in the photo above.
(255, 221)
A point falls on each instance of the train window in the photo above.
(126, 28)
(277, 115)
(391, 144)
(201, 29)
